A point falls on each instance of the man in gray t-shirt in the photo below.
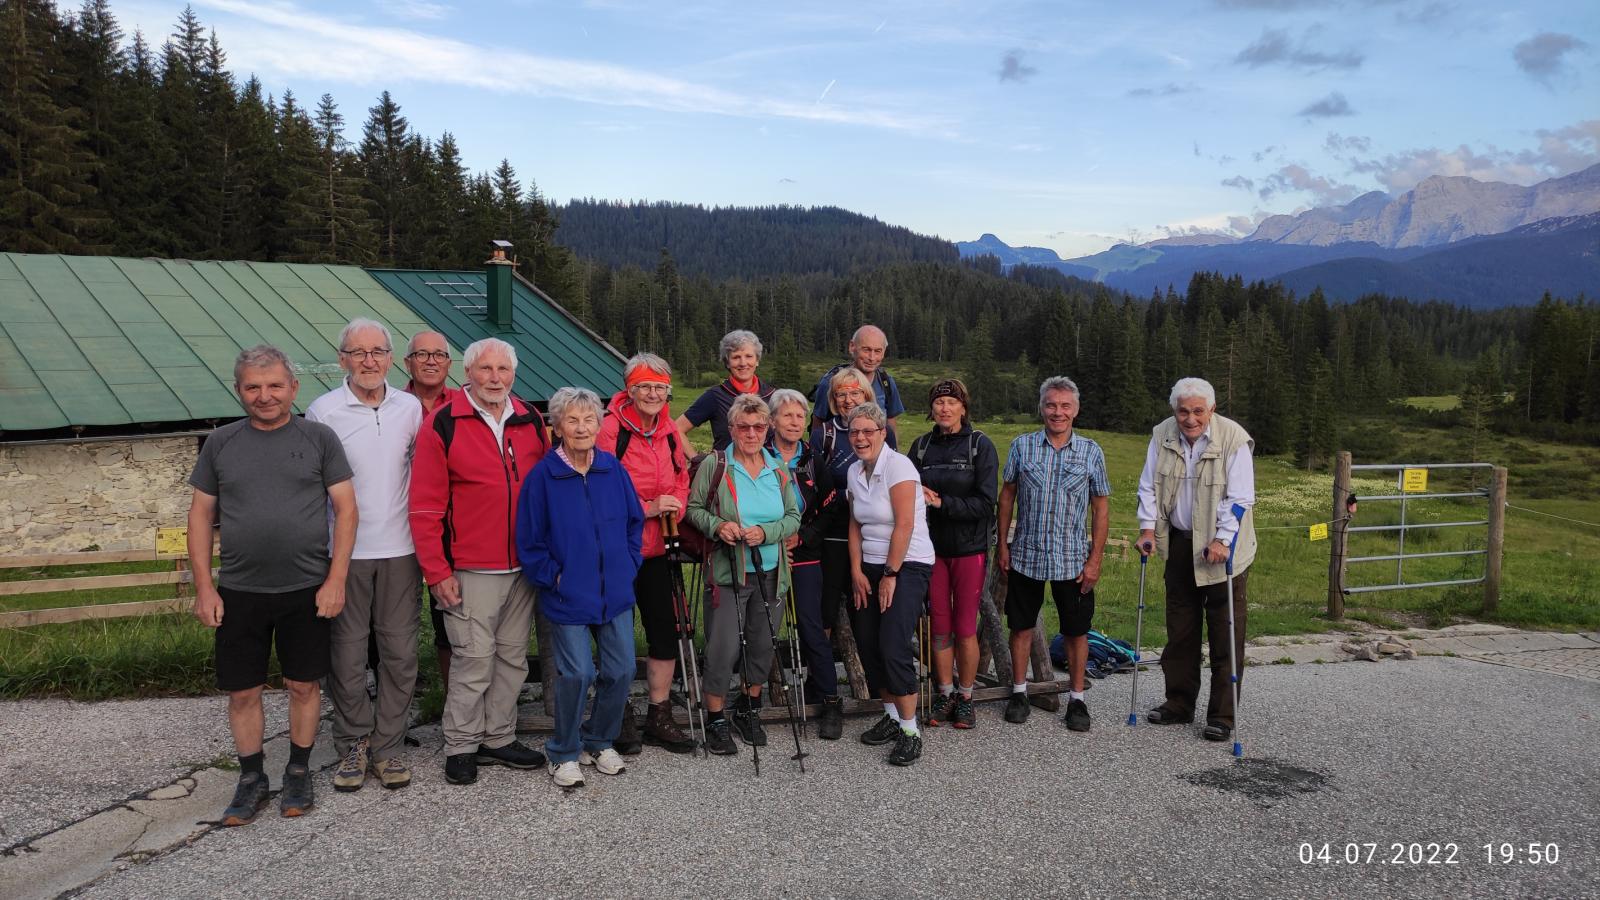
(271, 477)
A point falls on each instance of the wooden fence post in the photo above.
(1497, 540)
(1337, 535)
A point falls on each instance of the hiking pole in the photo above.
(788, 695)
(1233, 635)
(692, 695)
(925, 683)
(744, 660)
(1138, 637)
(798, 671)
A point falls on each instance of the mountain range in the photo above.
(1481, 244)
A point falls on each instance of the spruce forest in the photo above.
(110, 145)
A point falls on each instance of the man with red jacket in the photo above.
(472, 454)
(642, 435)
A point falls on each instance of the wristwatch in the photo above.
(890, 573)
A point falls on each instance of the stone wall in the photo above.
(110, 494)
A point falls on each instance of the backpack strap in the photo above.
(624, 435)
(919, 448)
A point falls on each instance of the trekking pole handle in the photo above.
(1238, 518)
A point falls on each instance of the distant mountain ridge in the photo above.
(989, 245)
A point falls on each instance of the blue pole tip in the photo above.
(1238, 749)
(1133, 719)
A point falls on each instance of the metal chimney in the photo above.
(498, 269)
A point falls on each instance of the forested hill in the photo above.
(741, 242)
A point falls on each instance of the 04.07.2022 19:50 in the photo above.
(1420, 853)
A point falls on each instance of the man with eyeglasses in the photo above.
(868, 346)
(377, 426)
(428, 361)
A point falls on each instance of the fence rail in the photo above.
(179, 576)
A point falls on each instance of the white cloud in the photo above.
(417, 9)
(1560, 151)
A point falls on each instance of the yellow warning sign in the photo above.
(1414, 481)
(172, 540)
(1319, 531)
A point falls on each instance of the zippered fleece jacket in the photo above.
(578, 537)
(658, 464)
(463, 507)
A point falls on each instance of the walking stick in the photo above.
(925, 682)
(1138, 637)
(688, 665)
(788, 695)
(798, 670)
(1233, 635)
(744, 657)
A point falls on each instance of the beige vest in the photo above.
(1210, 487)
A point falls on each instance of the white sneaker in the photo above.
(566, 774)
(607, 761)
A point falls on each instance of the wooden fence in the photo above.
(180, 576)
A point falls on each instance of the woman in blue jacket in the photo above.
(579, 536)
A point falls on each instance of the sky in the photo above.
(1068, 125)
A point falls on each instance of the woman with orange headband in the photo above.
(641, 435)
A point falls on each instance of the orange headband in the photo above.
(647, 375)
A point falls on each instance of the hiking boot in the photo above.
(964, 716)
(1017, 708)
(718, 740)
(462, 768)
(748, 722)
(1164, 715)
(943, 710)
(296, 798)
(907, 749)
(515, 755)
(1216, 731)
(628, 742)
(248, 798)
(830, 720)
(882, 732)
(567, 774)
(352, 771)
(1077, 717)
(661, 731)
(606, 762)
(391, 773)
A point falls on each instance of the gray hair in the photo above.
(856, 338)
(782, 396)
(649, 361)
(568, 397)
(365, 325)
(733, 340)
(1056, 383)
(262, 356)
(411, 345)
(848, 373)
(487, 345)
(868, 410)
(746, 404)
(1193, 387)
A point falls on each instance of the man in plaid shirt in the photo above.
(1052, 479)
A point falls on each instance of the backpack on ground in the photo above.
(1107, 655)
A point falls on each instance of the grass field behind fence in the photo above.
(1549, 573)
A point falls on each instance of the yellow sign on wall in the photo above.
(172, 540)
(1414, 481)
(1319, 531)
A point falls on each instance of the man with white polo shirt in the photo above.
(377, 425)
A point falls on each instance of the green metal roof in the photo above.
(554, 349)
(104, 341)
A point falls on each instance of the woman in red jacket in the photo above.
(641, 434)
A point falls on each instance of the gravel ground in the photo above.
(63, 761)
(1438, 750)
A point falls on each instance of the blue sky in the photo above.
(1068, 125)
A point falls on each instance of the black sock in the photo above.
(298, 755)
(251, 763)
(716, 717)
(754, 702)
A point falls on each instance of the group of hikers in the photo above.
(805, 506)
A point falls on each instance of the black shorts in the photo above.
(1025, 597)
(652, 588)
(252, 623)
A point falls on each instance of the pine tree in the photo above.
(344, 229)
(383, 143)
(1318, 433)
(978, 370)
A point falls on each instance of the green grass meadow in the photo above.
(1550, 568)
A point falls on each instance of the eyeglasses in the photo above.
(429, 355)
(863, 432)
(368, 354)
(652, 388)
(751, 427)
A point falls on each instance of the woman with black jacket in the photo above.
(786, 447)
(960, 476)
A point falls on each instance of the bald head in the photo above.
(867, 348)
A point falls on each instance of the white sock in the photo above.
(947, 689)
(1076, 695)
(966, 690)
(909, 726)
(892, 711)
(1021, 688)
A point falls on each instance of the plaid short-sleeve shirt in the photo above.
(1052, 511)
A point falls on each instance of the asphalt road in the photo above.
(1435, 751)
